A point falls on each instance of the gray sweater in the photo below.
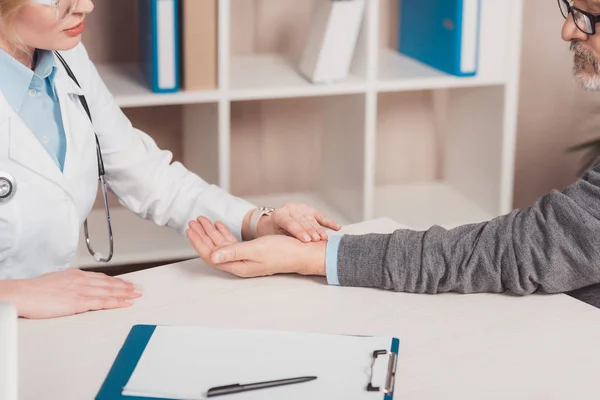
(551, 247)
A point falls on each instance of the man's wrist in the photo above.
(315, 263)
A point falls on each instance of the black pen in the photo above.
(238, 388)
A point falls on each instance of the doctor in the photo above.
(50, 163)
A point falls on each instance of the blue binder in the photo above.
(159, 44)
(443, 34)
(139, 337)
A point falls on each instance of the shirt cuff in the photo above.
(331, 259)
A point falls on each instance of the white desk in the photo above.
(452, 346)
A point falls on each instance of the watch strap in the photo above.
(256, 215)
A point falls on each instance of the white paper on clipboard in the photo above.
(184, 362)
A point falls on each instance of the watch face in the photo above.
(267, 210)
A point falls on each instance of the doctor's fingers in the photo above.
(100, 279)
(300, 225)
(294, 228)
(108, 292)
(327, 222)
(103, 303)
(317, 231)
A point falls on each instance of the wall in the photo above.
(554, 113)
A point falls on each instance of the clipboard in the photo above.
(367, 364)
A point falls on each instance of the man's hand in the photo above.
(268, 255)
(296, 220)
(68, 292)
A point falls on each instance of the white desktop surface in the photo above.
(452, 346)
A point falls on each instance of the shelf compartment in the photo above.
(267, 40)
(125, 82)
(442, 157)
(270, 76)
(400, 73)
(302, 145)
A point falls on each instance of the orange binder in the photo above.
(199, 37)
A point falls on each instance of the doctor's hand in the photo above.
(68, 292)
(296, 220)
(267, 255)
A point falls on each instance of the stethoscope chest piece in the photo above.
(8, 187)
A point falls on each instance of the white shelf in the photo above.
(400, 73)
(125, 82)
(423, 205)
(272, 76)
(269, 76)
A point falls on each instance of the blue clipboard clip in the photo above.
(391, 372)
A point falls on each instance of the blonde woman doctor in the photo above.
(50, 162)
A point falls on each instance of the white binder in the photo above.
(332, 40)
(185, 362)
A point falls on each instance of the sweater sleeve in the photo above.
(550, 247)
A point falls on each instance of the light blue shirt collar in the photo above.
(16, 78)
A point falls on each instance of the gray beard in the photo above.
(588, 81)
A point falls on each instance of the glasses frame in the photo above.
(55, 4)
(594, 18)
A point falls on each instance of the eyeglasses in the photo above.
(585, 21)
(63, 8)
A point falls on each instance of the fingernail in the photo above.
(139, 289)
(316, 236)
(306, 237)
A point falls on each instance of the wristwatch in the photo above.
(256, 216)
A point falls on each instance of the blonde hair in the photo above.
(8, 9)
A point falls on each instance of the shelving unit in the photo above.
(397, 139)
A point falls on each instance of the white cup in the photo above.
(8, 352)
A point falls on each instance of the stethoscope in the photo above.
(8, 185)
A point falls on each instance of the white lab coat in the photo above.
(40, 225)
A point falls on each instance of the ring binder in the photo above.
(391, 373)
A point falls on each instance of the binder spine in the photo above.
(467, 39)
(159, 24)
(166, 45)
